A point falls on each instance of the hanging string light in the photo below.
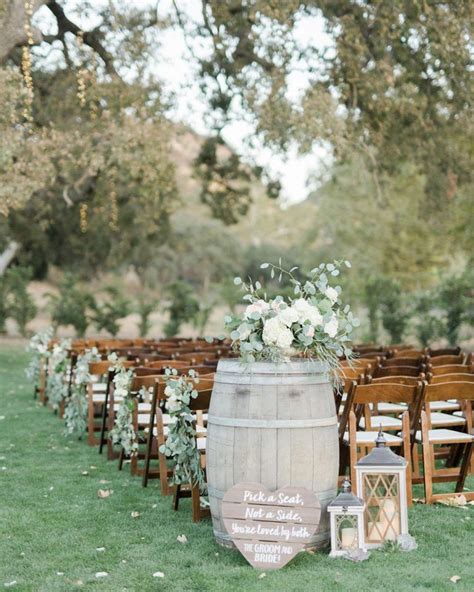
(113, 221)
(26, 64)
(83, 222)
(81, 73)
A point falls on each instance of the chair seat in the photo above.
(100, 398)
(201, 444)
(384, 408)
(387, 422)
(370, 437)
(444, 406)
(444, 436)
(99, 387)
(199, 430)
(459, 413)
(444, 419)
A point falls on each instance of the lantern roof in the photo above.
(346, 498)
(382, 455)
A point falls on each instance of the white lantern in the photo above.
(381, 483)
(347, 523)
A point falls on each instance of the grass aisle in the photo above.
(53, 524)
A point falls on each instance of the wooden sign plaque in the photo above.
(270, 527)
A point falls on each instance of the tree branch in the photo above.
(91, 38)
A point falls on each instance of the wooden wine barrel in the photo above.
(273, 424)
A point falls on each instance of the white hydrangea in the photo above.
(308, 330)
(307, 312)
(332, 294)
(258, 306)
(331, 327)
(276, 333)
(288, 316)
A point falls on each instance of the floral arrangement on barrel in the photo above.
(313, 323)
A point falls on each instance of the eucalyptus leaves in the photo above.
(180, 444)
(75, 413)
(123, 432)
(38, 348)
(313, 323)
(56, 383)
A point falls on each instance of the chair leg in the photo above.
(427, 461)
(177, 492)
(352, 450)
(121, 459)
(407, 455)
(196, 503)
(466, 461)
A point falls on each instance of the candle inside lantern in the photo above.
(390, 526)
(348, 537)
(375, 530)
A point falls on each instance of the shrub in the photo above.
(428, 325)
(456, 298)
(19, 303)
(184, 307)
(145, 308)
(71, 306)
(393, 309)
(107, 313)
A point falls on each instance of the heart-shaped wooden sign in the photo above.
(270, 527)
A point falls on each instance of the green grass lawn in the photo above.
(52, 524)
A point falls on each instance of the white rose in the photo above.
(259, 306)
(332, 294)
(307, 312)
(331, 327)
(271, 329)
(169, 391)
(276, 333)
(288, 316)
(285, 338)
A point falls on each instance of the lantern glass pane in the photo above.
(382, 518)
(347, 536)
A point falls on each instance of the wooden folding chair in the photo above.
(200, 406)
(447, 360)
(382, 371)
(97, 390)
(430, 437)
(352, 439)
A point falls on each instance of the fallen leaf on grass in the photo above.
(100, 549)
(85, 473)
(182, 538)
(457, 501)
(135, 514)
(59, 573)
(2, 417)
(93, 467)
(104, 482)
(10, 584)
(104, 492)
(101, 574)
(158, 574)
(262, 575)
(154, 506)
(454, 579)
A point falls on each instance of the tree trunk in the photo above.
(8, 255)
(12, 25)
